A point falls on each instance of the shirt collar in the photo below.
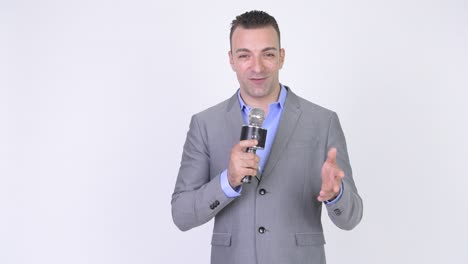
(280, 102)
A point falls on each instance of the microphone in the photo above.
(254, 130)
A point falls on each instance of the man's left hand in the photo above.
(332, 176)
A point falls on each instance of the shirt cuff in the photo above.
(337, 197)
(226, 187)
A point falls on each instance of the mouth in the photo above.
(258, 80)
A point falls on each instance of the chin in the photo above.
(259, 92)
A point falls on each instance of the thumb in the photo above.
(331, 156)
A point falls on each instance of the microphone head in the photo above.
(256, 117)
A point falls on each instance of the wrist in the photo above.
(333, 198)
(337, 197)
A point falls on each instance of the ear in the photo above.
(282, 55)
(231, 60)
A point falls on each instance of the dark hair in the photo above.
(252, 20)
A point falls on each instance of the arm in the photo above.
(197, 197)
(345, 212)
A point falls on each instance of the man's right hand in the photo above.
(242, 163)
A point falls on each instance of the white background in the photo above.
(96, 98)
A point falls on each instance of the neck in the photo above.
(262, 102)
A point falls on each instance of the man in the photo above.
(277, 217)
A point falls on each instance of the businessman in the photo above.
(304, 166)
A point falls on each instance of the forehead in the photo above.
(257, 38)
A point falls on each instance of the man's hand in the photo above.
(332, 176)
(242, 163)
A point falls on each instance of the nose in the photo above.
(258, 66)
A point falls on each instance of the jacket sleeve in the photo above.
(347, 212)
(198, 196)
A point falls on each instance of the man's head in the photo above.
(252, 20)
(256, 57)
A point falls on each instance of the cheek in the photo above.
(235, 67)
(272, 65)
(240, 74)
(242, 69)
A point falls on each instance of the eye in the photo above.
(270, 55)
(243, 56)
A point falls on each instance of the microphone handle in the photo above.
(248, 178)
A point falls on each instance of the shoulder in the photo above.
(308, 108)
(215, 115)
(216, 111)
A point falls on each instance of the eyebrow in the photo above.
(263, 50)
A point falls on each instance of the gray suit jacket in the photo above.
(276, 219)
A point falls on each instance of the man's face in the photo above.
(257, 58)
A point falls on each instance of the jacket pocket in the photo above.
(221, 239)
(310, 239)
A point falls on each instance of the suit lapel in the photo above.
(288, 122)
(234, 120)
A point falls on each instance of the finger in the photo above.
(335, 183)
(249, 164)
(248, 156)
(322, 196)
(248, 143)
(242, 145)
(328, 179)
(331, 175)
(336, 189)
(335, 176)
(249, 172)
(326, 187)
(331, 156)
(326, 196)
(341, 174)
(330, 186)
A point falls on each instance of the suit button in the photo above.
(262, 191)
(261, 230)
(212, 206)
(216, 203)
